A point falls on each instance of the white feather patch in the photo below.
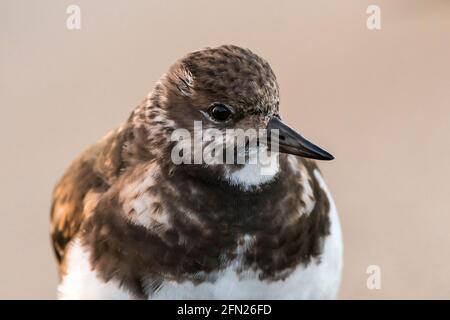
(81, 282)
(253, 175)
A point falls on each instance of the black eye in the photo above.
(220, 112)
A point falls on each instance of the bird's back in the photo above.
(75, 194)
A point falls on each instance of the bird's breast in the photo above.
(159, 244)
(318, 279)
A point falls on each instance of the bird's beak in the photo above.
(293, 143)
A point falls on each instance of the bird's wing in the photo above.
(75, 195)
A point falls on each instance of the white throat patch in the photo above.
(253, 175)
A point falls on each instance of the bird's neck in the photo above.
(246, 178)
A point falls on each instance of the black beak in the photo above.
(293, 143)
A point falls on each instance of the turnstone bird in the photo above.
(129, 223)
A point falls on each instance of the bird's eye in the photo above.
(220, 112)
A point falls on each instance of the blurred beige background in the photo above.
(378, 100)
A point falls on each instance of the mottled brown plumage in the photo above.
(142, 217)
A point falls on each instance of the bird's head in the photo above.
(224, 89)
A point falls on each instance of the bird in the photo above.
(129, 223)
